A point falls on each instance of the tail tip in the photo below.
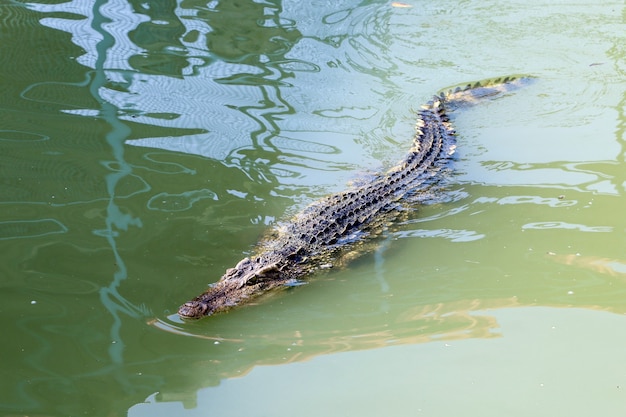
(471, 93)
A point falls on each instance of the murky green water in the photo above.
(145, 147)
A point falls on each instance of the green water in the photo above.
(146, 146)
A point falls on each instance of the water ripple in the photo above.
(168, 202)
(528, 199)
(21, 136)
(303, 146)
(568, 226)
(31, 228)
(16, 16)
(453, 235)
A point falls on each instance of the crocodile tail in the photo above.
(470, 94)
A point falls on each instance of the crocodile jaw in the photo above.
(248, 279)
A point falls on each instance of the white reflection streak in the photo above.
(569, 226)
(106, 21)
(102, 34)
(120, 19)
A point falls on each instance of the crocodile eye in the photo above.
(242, 263)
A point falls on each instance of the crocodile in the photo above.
(315, 237)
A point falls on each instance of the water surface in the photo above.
(146, 147)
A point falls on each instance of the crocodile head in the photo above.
(247, 279)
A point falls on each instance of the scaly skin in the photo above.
(336, 222)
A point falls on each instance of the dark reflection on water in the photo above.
(159, 37)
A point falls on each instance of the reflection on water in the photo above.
(144, 144)
(508, 372)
